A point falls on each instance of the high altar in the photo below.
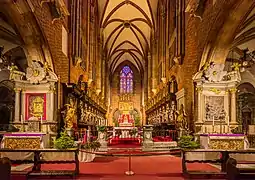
(216, 107)
(35, 108)
(126, 123)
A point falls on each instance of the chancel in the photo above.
(85, 80)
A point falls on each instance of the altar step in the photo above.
(160, 146)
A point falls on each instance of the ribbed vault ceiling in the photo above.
(127, 26)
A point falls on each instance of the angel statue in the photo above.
(181, 118)
(70, 115)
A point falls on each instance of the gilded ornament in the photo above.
(70, 115)
(22, 143)
(216, 91)
(199, 89)
(236, 66)
(232, 90)
(227, 144)
(37, 106)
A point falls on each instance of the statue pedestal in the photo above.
(147, 137)
(70, 132)
(102, 140)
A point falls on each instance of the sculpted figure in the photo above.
(70, 115)
(181, 118)
(12, 68)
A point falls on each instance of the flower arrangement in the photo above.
(64, 141)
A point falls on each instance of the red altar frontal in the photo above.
(126, 120)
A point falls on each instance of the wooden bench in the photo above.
(222, 160)
(38, 161)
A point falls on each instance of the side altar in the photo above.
(24, 140)
(216, 107)
(35, 107)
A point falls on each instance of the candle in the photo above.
(21, 119)
(228, 120)
(213, 121)
(41, 119)
(85, 137)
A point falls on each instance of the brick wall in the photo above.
(53, 36)
(198, 34)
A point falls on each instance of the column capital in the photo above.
(233, 90)
(17, 89)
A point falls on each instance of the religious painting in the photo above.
(214, 108)
(35, 106)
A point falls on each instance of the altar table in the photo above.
(223, 141)
(24, 140)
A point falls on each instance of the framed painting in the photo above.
(35, 106)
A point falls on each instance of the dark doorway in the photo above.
(246, 106)
(7, 102)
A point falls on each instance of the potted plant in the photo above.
(64, 141)
(87, 151)
(187, 142)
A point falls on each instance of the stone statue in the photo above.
(181, 120)
(70, 115)
(12, 69)
(214, 72)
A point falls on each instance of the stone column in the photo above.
(99, 67)
(233, 106)
(17, 105)
(199, 106)
(154, 67)
(103, 75)
(149, 75)
(23, 104)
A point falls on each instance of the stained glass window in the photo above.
(126, 80)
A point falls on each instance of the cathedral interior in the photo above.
(183, 65)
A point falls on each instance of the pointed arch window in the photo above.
(126, 80)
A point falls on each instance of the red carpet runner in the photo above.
(145, 168)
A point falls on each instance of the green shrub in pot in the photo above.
(187, 142)
(64, 141)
